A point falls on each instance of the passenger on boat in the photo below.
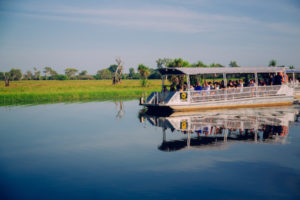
(271, 80)
(180, 88)
(165, 89)
(192, 88)
(172, 88)
(261, 83)
(240, 84)
(230, 84)
(222, 85)
(252, 83)
(278, 79)
(198, 86)
(246, 81)
(216, 86)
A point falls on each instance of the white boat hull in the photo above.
(257, 102)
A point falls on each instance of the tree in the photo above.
(104, 74)
(163, 62)
(6, 78)
(113, 68)
(154, 74)
(119, 71)
(70, 72)
(15, 74)
(37, 74)
(53, 74)
(272, 63)
(47, 71)
(61, 77)
(199, 64)
(178, 62)
(29, 75)
(233, 64)
(215, 65)
(2, 76)
(144, 71)
(291, 67)
(131, 73)
(83, 73)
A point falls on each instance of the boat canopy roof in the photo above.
(293, 71)
(219, 70)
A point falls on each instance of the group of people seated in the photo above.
(216, 85)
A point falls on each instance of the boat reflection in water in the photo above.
(216, 129)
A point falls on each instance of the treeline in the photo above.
(73, 74)
(142, 72)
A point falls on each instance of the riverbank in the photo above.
(35, 92)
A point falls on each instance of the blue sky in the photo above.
(91, 34)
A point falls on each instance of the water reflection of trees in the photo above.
(217, 129)
(120, 108)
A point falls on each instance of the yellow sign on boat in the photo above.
(183, 124)
(183, 96)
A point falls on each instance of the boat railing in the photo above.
(234, 93)
(195, 96)
(159, 97)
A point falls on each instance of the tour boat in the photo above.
(272, 95)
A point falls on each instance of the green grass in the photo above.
(37, 92)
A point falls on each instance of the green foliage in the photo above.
(132, 74)
(15, 74)
(145, 83)
(233, 64)
(2, 77)
(70, 73)
(144, 71)
(178, 62)
(154, 74)
(216, 65)
(113, 68)
(199, 64)
(37, 74)
(28, 75)
(163, 62)
(104, 74)
(60, 77)
(291, 67)
(272, 63)
(83, 73)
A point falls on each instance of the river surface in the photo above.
(107, 150)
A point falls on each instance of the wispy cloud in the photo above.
(170, 19)
(164, 18)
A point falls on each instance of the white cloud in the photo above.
(157, 19)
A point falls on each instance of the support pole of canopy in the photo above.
(188, 82)
(164, 135)
(256, 83)
(294, 81)
(188, 141)
(225, 85)
(225, 80)
(188, 87)
(163, 80)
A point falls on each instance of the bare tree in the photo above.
(7, 77)
(118, 73)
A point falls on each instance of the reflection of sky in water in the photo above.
(82, 151)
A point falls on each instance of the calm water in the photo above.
(95, 151)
